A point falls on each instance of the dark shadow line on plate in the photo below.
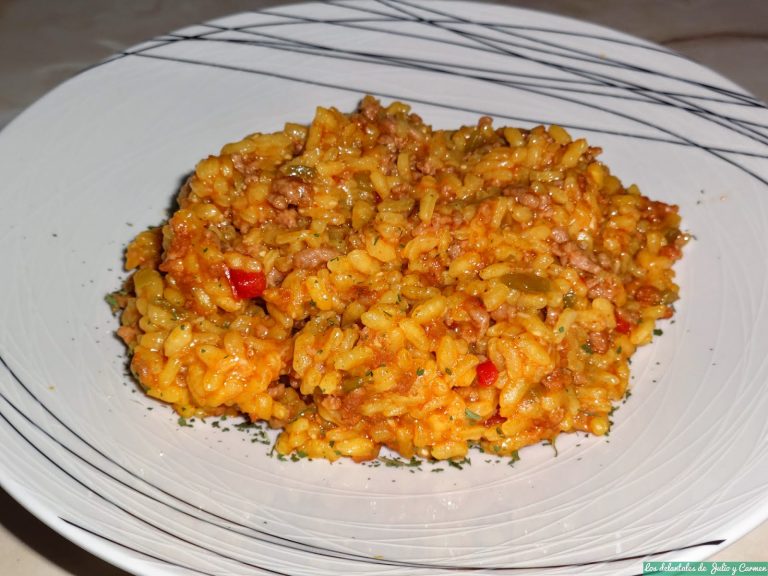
(493, 43)
(636, 93)
(449, 19)
(49, 544)
(712, 150)
(730, 123)
(132, 548)
(473, 568)
(683, 100)
(95, 492)
(743, 100)
(614, 112)
(297, 546)
(682, 140)
(295, 46)
(384, 18)
(257, 534)
(680, 102)
(454, 19)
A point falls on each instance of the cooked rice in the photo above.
(426, 290)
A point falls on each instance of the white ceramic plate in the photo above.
(685, 468)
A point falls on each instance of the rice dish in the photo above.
(367, 281)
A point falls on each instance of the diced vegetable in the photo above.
(351, 383)
(623, 326)
(494, 420)
(246, 284)
(487, 373)
(526, 282)
(301, 171)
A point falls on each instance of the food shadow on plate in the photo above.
(173, 196)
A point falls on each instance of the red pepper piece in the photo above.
(246, 284)
(494, 420)
(623, 326)
(487, 373)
